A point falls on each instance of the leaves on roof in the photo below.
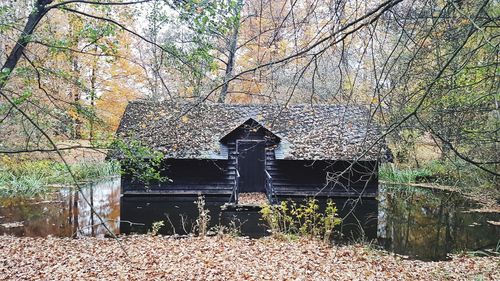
(310, 132)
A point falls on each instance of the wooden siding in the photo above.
(323, 178)
(188, 177)
(290, 178)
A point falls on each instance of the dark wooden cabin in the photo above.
(222, 150)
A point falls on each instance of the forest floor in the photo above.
(221, 258)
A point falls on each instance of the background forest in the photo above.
(428, 70)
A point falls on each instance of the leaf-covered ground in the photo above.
(220, 258)
(253, 198)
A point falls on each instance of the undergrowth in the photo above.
(291, 219)
(393, 174)
(203, 220)
(32, 178)
(457, 173)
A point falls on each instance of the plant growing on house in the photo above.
(140, 162)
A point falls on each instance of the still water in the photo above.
(415, 222)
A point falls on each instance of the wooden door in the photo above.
(251, 165)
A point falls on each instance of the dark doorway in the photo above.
(251, 165)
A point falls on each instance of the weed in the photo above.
(233, 228)
(155, 227)
(457, 173)
(203, 220)
(403, 175)
(289, 218)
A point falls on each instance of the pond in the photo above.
(415, 222)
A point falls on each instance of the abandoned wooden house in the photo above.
(222, 150)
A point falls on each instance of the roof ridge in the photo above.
(145, 101)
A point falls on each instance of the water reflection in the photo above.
(64, 213)
(429, 224)
(416, 222)
(179, 215)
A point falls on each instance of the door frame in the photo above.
(238, 154)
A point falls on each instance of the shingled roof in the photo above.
(318, 132)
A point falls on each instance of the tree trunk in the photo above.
(75, 214)
(38, 12)
(93, 93)
(77, 123)
(232, 52)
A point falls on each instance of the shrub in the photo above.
(289, 218)
(140, 162)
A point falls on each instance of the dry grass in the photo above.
(426, 152)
